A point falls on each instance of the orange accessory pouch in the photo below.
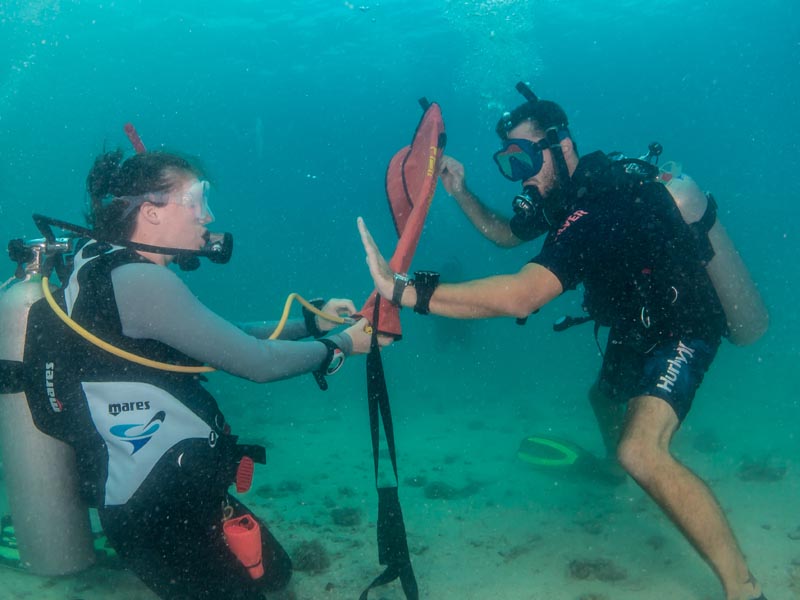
(243, 536)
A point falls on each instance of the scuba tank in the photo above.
(51, 522)
(744, 308)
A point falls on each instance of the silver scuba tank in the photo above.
(744, 308)
(51, 522)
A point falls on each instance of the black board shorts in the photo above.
(671, 370)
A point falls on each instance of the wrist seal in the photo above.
(310, 318)
(425, 282)
(334, 359)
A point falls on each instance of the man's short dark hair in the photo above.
(544, 114)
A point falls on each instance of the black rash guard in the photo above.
(626, 242)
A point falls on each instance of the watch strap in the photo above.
(334, 359)
(401, 282)
(425, 282)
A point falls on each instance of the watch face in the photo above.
(427, 277)
(336, 362)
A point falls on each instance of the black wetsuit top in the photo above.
(626, 242)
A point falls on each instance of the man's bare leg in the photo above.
(644, 453)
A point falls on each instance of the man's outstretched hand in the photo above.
(379, 269)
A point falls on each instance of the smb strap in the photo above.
(391, 530)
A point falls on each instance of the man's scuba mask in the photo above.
(520, 159)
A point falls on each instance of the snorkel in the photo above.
(135, 140)
(535, 214)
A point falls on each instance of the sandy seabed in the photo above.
(482, 524)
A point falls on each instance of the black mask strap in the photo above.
(218, 247)
(553, 203)
(554, 143)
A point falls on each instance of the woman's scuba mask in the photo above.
(194, 198)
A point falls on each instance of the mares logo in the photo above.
(682, 357)
(115, 409)
(137, 434)
(49, 372)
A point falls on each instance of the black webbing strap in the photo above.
(10, 377)
(701, 228)
(392, 542)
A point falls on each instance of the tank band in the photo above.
(10, 377)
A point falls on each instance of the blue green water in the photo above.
(295, 109)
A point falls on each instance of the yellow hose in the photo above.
(288, 305)
(141, 360)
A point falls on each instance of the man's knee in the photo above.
(638, 457)
(644, 448)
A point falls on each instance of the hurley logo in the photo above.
(674, 365)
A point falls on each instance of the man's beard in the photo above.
(554, 202)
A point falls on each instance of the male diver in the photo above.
(645, 276)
